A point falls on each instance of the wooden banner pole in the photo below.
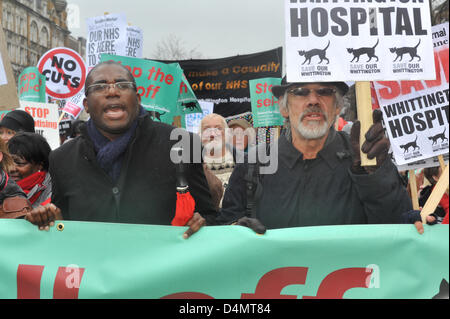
(61, 117)
(441, 162)
(436, 195)
(413, 189)
(364, 109)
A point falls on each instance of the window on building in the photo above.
(34, 32)
(44, 37)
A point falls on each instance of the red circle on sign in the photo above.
(49, 56)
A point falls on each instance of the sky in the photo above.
(214, 28)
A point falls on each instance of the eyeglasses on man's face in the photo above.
(304, 92)
(102, 88)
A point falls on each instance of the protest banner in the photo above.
(106, 35)
(157, 83)
(32, 85)
(225, 82)
(343, 40)
(45, 120)
(416, 112)
(8, 89)
(265, 109)
(64, 71)
(94, 261)
(135, 43)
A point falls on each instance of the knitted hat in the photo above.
(18, 121)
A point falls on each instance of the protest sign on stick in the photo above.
(46, 120)
(343, 40)
(65, 72)
(31, 85)
(416, 112)
(265, 109)
(135, 40)
(106, 35)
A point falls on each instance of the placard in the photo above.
(74, 106)
(416, 113)
(135, 42)
(64, 71)
(45, 120)
(106, 35)
(352, 40)
(265, 109)
(31, 85)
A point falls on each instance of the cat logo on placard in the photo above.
(412, 51)
(370, 52)
(321, 54)
(411, 149)
(439, 141)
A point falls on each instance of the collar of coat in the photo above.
(333, 145)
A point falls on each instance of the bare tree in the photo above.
(173, 48)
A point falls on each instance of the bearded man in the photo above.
(319, 179)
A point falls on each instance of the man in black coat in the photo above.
(315, 177)
(120, 168)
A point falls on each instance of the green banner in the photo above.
(264, 105)
(31, 85)
(100, 260)
(157, 83)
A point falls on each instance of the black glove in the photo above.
(253, 224)
(413, 216)
(376, 144)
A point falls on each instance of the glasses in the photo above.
(304, 92)
(102, 88)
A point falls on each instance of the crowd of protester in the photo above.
(116, 167)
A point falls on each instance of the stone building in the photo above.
(32, 27)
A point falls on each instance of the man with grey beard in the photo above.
(319, 179)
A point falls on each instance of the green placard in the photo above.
(264, 105)
(100, 260)
(157, 83)
(31, 85)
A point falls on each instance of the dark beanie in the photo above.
(18, 121)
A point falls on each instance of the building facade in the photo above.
(32, 27)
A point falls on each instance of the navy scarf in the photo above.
(110, 153)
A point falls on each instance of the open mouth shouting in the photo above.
(115, 112)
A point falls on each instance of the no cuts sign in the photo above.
(65, 72)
